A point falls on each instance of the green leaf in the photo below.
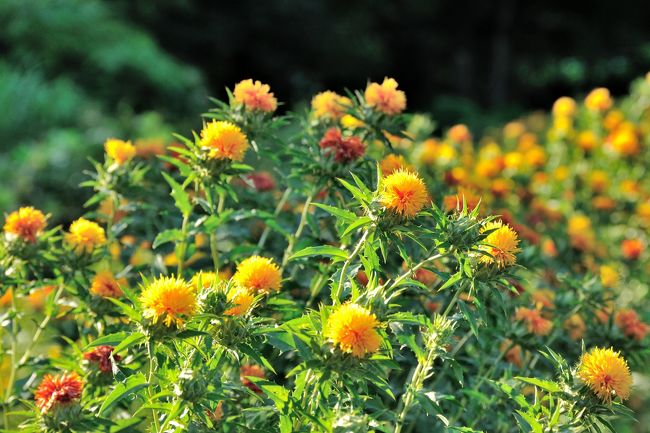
(181, 198)
(129, 341)
(343, 214)
(324, 250)
(122, 390)
(171, 235)
(546, 385)
(107, 340)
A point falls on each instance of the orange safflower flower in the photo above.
(242, 301)
(26, 223)
(459, 133)
(255, 96)
(385, 97)
(105, 285)
(58, 390)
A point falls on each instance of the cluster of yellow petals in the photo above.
(25, 223)
(255, 96)
(119, 151)
(84, 236)
(404, 193)
(224, 140)
(330, 105)
(169, 300)
(258, 275)
(502, 244)
(353, 329)
(241, 300)
(606, 373)
(599, 100)
(385, 97)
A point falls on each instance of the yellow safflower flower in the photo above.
(224, 140)
(330, 105)
(258, 275)
(606, 373)
(403, 192)
(85, 236)
(353, 329)
(119, 151)
(26, 223)
(502, 243)
(170, 300)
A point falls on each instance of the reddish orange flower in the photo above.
(632, 326)
(252, 370)
(101, 355)
(534, 321)
(344, 149)
(61, 389)
(631, 248)
(262, 181)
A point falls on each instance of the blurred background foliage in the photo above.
(74, 72)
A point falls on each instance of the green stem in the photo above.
(12, 372)
(278, 209)
(182, 247)
(301, 225)
(336, 296)
(154, 414)
(214, 247)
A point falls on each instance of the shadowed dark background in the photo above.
(74, 72)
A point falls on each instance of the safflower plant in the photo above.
(345, 269)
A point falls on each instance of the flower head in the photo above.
(103, 356)
(576, 326)
(258, 275)
(105, 285)
(501, 243)
(251, 370)
(392, 163)
(85, 235)
(224, 140)
(255, 96)
(57, 390)
(459, 133)
(631, 248)
(606, 373)
(385, 97)
(119, 151)
(403, 193)
(598, 100)
(242, 301)
(169, 300)
(534, 321)
(353, 329)
(26, 223)
(345, 149)
(330, 105)
(564, 107)
(632, 326)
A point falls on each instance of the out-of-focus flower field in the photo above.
(347, 268)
